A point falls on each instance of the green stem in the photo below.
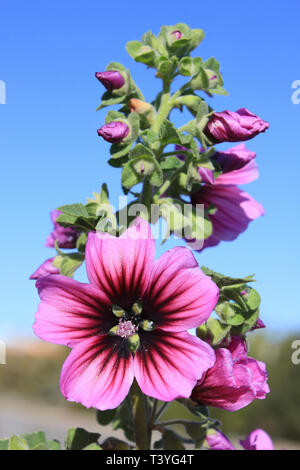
(161, 410)
(140, 419)
(167, 184)
(166, 105)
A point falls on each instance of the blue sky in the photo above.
(51, 154)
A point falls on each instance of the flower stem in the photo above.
(165, 106)
(140, 419)
(161, 410)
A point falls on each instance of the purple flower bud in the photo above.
(177, 34)
(112, 79)
(230, 126)
(114, 132)
(66, 236)
(46, 268)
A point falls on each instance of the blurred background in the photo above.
(51, 155)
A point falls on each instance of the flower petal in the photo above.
(70, 311)
(180, 296)
(244, 175)
(98, 372)
(167, 366)
(257, 440)
(218, 441)
(121, 265)
(235, 210)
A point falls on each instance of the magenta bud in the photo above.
(236, 126)
(112, 79)
(177, 34)
(114, 132)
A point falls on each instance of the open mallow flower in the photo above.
(234, 208)
(130, 320)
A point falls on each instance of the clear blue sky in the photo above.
(51, 155)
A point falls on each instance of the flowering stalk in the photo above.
(128, 326)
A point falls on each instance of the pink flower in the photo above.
(160, 300)
(257, 440)
(218, 441)
(114, 132)
(66, 236)
(235, 208)
(229, 126)
(45, 268)
(111, 79)
(234, 381)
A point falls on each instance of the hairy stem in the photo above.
(140, 419)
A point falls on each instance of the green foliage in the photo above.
(78, 438)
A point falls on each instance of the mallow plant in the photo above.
(144, 331)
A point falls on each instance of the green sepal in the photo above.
(217, 331)
(136, 169)
(190, 66)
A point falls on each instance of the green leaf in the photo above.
(120, 150)
(140, 151)
(217, 331)
(196, 431)
(113, 116)
(140, 167)
(168, 133)
(190, 66)
(54, 445)
(17, 443)
(224, 281)
(4, 444)
(78, 438)
(171, 440)
(92, 447)
(75, 210)
(118, 162)
(71, 262)
(193, 176)
(81, 242)
(106, 417)
(35, 439)
(171, 163)
(112, 443)
(124, 419)
(166, 67)
(184, 220)
(116, 66)
(108, 100)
